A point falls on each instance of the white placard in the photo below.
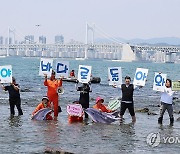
(6, 74)
(140, 77)
(45, 66)
(62, 69)
(159, 82)
(84, 73)
(115, 75)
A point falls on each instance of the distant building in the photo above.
(59, 39)
(10, 41)
(42, 39)
(29, 39)
(1, 39)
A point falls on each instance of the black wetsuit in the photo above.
(84, 97)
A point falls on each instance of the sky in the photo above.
(126, 19)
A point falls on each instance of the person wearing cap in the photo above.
(100, 106)
(14, 97)
(127, 98)
(44, 104)
(53, 84)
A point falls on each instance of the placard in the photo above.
(45, 67)
(6, 74)
(84, 73)
(159, 82)
(62, 69)
(75, 110)
(115, 75)
(140, 77)
(176, 85)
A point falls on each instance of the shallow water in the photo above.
(22, 135)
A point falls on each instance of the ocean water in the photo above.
(22, 135)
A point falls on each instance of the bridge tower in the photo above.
(89, 28)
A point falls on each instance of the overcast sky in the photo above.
(119, 18)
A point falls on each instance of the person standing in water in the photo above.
(14, 97)
(166, 102)
(84, 96)
(53, 84)
(127, 99)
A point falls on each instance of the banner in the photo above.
(62, 69)
(74, 110)
(159, 82)
(140, 77)
(176, 85)
(115, 75)
(6, 74)
(114, 104)
(84, 73)
(45, 66)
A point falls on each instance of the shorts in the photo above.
(130, 107)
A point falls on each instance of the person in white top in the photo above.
(166, 102)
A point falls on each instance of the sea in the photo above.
(20, 134)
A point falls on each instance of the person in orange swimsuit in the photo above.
(44, 104)
(72, 119)
(53, 84)
(101, 107)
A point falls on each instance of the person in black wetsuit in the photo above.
(84, 96)
(14, 97)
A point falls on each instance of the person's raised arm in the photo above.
(45, 80)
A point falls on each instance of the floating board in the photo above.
(114, 104)
(101, 117)
(41, 114)
(176, 85)
(74, 110)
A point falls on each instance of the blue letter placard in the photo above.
(6, 74)
(84, 73)
(46, 66)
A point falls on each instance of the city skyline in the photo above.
(119, 18)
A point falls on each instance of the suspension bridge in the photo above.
(90, 50)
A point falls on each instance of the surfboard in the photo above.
(41, 114)
(100, 117)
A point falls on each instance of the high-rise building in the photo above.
(59, 39)
(1, 39)
(29, 39)
(42, 39)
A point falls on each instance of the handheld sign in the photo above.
(62, 69)
(45, 66)
(140, 77)
(114, 104)
(74, 110)
(176, 85)
(159, 82)
(115, 75)
(6, 74)
(84, 73)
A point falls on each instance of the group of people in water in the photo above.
(51, 100)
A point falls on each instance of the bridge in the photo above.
(90, 50)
